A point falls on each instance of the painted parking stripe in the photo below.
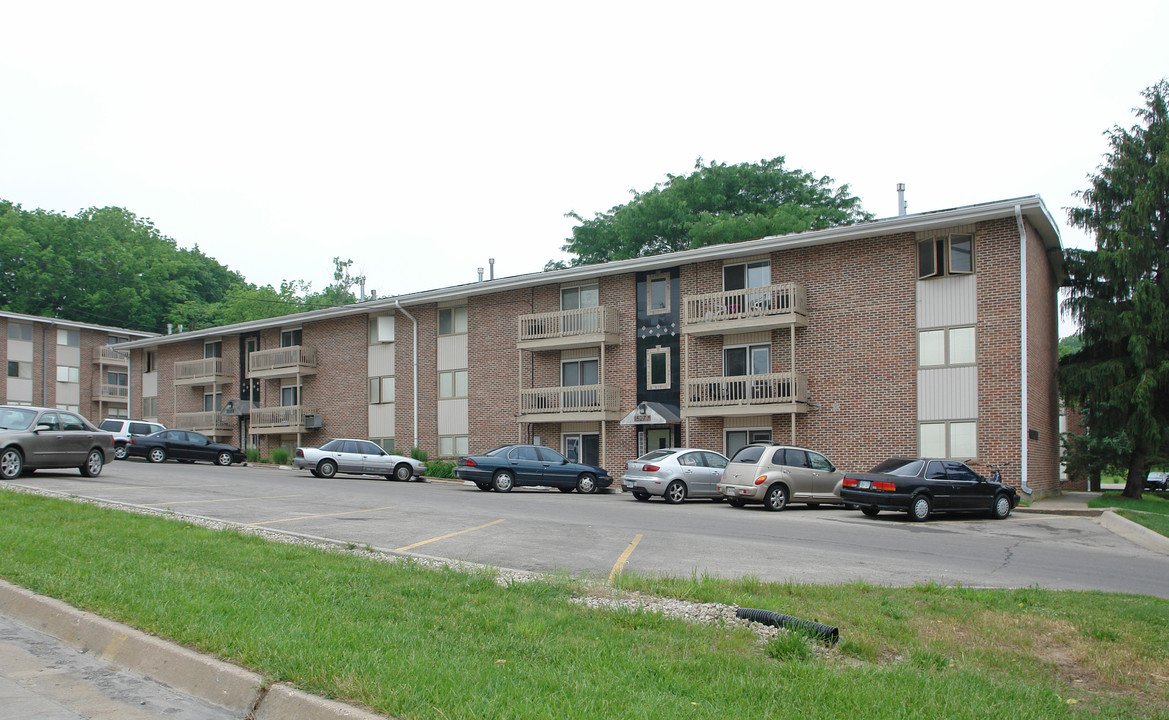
(188, 502)
(619, 566)
(310, 517)
(164, 487)
(448, 535)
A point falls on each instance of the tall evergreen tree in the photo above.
(1119, 293)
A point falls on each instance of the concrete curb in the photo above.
(208, 678)
(1135, 532)
(1076, 512)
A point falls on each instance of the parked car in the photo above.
(35, 438)
(505, 467)
(124, 429)
(356, 457)
(675, 474)
(922, 486)
(184, 446)
(776, 475)
(1157, 481)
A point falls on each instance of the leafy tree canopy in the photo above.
(1119, 294)
(717, 203)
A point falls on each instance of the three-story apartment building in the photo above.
(929, 334)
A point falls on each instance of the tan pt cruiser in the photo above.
(776, 475)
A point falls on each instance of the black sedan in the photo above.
(921, 486)
(184, 446)
(505, 467)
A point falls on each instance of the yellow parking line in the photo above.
(620, 564)
(310, 517)
(449, 535)
(188, 502)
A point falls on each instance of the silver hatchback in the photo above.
(776, 475)
(675, 474)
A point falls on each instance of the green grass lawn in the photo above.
(1152, 510)
(413, 642)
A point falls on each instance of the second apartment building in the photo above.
(930, 334)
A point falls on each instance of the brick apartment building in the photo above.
(901, 336)
(66, 365)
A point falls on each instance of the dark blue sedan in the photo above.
(505, 467)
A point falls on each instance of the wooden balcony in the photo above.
(284, 420)
(282, 362)
(746, 395)
(110, 356)
(211, 423)
(567, 329)
(105, 392)
(579, 403)
(209, 371)
(748, 310)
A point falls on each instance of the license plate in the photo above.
(627, 483)
(865, 485)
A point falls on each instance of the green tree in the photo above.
(1119, 294)
(717, 203)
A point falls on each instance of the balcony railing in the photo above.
(282, 362)
(567, 329)
(746, 394)
(109, 356)
(759, 308)
(577, 402)
(208, 371)
(209, 423)
(105, 392)
(281, 420)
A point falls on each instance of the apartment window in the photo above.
(951, 254)
(580, 296)
(747, 275)
(452, 445)
(452, 321)
(386, 444)
(746, 360)
(72, 338)
(212, 402)
(657, 369)
(213, 349)
(658, 294)
(66, 374)
(70, 408)
(452, 384)
(117, 378)
(954, 439)
(19, 331)
(945, 346)
(151, 361)
(737, 439)
(18, 369)
(149, 407)
(381, 329)
(381, 390)
(289, 395)
(115, 339)
(290, 338)
(117, 412)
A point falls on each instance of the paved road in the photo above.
(548, 530)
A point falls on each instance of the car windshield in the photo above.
(899, 466)
(16, 419)
(655, 455)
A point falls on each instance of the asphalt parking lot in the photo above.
(608, 533)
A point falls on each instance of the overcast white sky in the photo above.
(420, 139)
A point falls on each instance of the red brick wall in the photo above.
(1042, 362)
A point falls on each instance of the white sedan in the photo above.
(356, 457)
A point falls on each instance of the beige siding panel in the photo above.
(150, 384)
(70, 356)
(947, 394)
(580, 354)
(747, 421)
(580, 427)
(19, 390)
(452, 352)
(68, 393)
(381, 420)
(946, 302)
(381, 362)
(19, 350)
(452, 417)
(755, 338)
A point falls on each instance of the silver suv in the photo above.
(776, 475)
(124, 429)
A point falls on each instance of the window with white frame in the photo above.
(657, 294)
(213, 349)
(580, 296)
(66, 374)
(746, 360)
(386, 444)
(452, 445)
(72, 338)
(381, 390)
(117, 412)
(150, 407)
(943, 347)
(19, 331)
(657, 368)
(740, 276)
(19, 369)
(381, 329)
(151, 361)
(943, 255)
(289, 395)
(452, 321)
(70, 408)
(956, 439)
(290, 338)
(212, 402)
(452, 384)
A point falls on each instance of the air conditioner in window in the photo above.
(312, 420)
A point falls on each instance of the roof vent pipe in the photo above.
(900, 199)
(480, 274)
(491, 262)
(170, 328)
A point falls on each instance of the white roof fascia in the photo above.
(21, 317)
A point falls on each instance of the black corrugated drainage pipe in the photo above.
(828, 633)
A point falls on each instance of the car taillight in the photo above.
(886, 486)
(761, 479)
(851, 482)
(468, 461)
(650, 468)
(300, 452)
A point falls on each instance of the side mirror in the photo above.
(41, 428)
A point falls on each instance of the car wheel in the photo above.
(11, 464)
(403, 472)
(327, 468)
(314, 473)
(486, 487)
(776, 498)
(736, 502)
(675, 492)
(586, 484)
(919, 508)
(93, 463)
(640, 495)
(119, 452)
(1002, 507)
(156, 455)
(223, 458)
(870, 510)
(503, 481)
